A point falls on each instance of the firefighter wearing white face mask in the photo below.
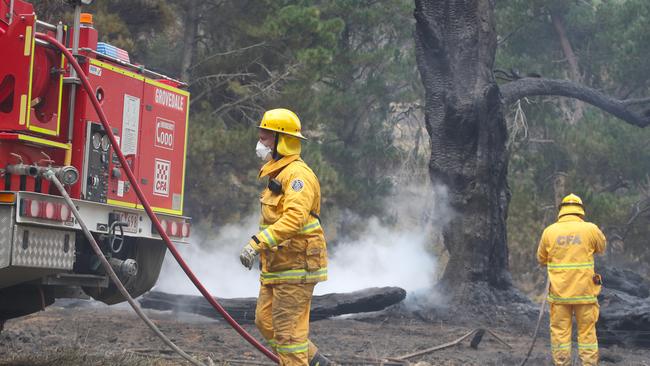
(263, 152)
(291, 244)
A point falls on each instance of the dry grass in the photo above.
(79, 357)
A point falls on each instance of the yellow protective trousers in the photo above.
(282, 316)
(561, 322)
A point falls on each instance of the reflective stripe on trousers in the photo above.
(272, 343)
(559, 346)
(588, 346)
(292, 348)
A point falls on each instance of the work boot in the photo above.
(320, 360)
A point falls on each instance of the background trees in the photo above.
(341, 65)
(348, 68)
(553, 149)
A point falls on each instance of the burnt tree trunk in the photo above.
(455, 49)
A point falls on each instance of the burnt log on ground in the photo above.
(626, 281)
(624, 319)
(243, 309)
(624, 309)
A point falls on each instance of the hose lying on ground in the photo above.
(145, 203)
(539, 321)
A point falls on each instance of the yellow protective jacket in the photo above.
(567, 249)
(291, 242)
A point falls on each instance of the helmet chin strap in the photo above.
(276, 155)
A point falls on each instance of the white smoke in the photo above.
(382, 256)
(397, 253)
(214, 259)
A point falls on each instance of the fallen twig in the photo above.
(242, 362)
(357, 360)
(478, 335)
(436, 348)
(499, 339)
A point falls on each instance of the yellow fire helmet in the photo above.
(287, 125)
(571, 205)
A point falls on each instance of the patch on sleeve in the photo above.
(297, 185)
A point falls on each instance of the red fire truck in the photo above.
(48, 121)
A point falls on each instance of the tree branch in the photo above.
(528, 87)
(262, 90)
(229, 76)
(629, 102)
(226, 53)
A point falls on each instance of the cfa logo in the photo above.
(568, 239)
(162, 172)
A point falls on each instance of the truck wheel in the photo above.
(149, 255)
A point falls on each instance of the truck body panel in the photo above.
(47, 120)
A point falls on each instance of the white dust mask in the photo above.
(263, 151)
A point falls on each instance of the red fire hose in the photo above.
(172, 248)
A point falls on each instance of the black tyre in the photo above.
(149, 255)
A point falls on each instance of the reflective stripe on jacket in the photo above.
(567, 248)
(292, 244)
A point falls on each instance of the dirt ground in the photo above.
(103, 335)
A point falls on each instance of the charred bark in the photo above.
(243, 309)
(455, 49)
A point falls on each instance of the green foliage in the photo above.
(123, 23)
(221, 170)
(340, 65)
(344, 66)
(349, 102)
(333, 64)
(604, 160)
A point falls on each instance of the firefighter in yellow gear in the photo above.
(567, 249)
(291, 244)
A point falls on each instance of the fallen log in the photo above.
(243, 309)
(624, 309)
(624, 319)
(625, 280)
